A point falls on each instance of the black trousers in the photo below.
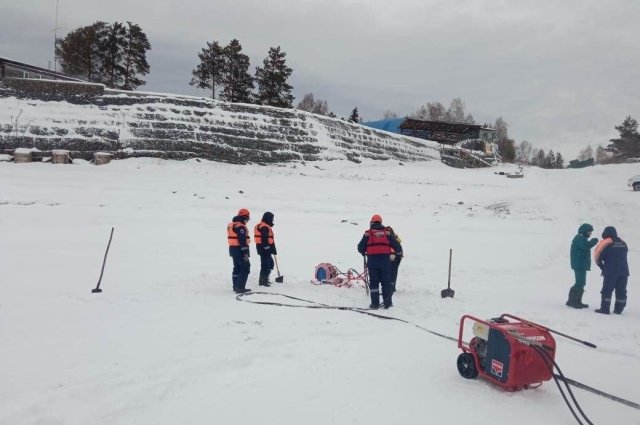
(241, 270)
(266, 264)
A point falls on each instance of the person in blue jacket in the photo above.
(580, 263)
(379, 244)
(612, 260)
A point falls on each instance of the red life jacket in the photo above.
(232, 236)
(378, 242)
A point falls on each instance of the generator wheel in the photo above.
(467, 366)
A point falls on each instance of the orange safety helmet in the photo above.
(376, 218)
(243, 212)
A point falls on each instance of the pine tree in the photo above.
(559, 161)
(628, 143)
(550, 159)
(273, 89)
(79, 52)
(236, 79)
(209, 71)
(540, 158)
(134, 60)
(111, 52)
(354, 117)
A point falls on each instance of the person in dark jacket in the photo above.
(612, 260)
(580, 263)
(239, 239)
(266, 247)
(395, 260)
(378, 244)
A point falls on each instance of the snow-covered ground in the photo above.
(168, 343)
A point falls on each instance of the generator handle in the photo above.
(587, 343)
(465, 347)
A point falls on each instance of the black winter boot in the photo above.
(375, 299)
(263, 280)
(387, 294)
(579, 299)
(605, 306)
(234, 279)
(619, 305)
(573, 300)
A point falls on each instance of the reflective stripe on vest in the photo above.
(232, 236)
(378, 242)
(258, 236)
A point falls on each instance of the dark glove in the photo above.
(594, 240)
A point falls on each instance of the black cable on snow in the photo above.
(598, 392)
(550, 363)
(317, 305)
(369, 312)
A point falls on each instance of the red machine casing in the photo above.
(509, 358)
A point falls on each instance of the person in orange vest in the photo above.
(378, 244)
(266, 247)
(239, 240)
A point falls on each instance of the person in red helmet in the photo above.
(378, 244)
(239, 239)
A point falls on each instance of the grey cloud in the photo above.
(562, 74)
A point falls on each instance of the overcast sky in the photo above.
(562, 73)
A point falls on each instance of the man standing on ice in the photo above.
(266, 247)
(580, 263)
(611, 256)
(378, 244)
(239, 239)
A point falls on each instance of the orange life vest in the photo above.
(232, 236)
(378, 242)
(600, 247)
(258, 236)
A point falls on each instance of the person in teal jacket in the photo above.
(580, 263)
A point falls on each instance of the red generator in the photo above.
(507, 351)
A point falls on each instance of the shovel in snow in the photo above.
(448, 293)
(280, 278)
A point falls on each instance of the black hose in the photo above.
(545, 356)
(550, 363)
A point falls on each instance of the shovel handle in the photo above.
(275, 257)
(449, 278)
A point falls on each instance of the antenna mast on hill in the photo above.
(55, 39)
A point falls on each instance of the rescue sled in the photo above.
(328, 274)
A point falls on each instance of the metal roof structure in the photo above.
(12, 68)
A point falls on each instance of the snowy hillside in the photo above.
(168, 343)
(180, 127)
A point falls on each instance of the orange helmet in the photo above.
(243, 212)
(376, 218)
